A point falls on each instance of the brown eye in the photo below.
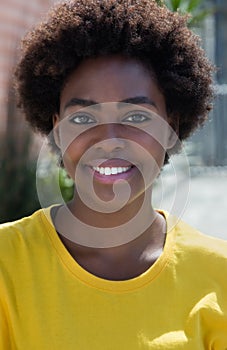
(137, 117)
(82, 119)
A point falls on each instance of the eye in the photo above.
(82, 119)
(137, 117)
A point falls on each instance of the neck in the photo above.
(124, 261)
(136, 225)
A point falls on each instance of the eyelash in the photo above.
(126, 119)
(82, 116)
(143, 115)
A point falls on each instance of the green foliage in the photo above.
(18, 186)
(18, 177)
(53, 183)
(160, 2)
(17, 182)
(66, 185)
(196, 8)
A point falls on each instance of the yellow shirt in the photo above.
(48, 301)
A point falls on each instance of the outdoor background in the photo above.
(204, 188)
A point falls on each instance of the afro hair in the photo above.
(79, 29)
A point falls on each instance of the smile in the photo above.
(111, 170)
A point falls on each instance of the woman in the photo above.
(116, 85)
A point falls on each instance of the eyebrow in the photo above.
(81, 102)
(96, 105)
(139, 100)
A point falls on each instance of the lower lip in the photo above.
(109, 179)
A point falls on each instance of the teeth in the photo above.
(111, 171)
(114, 171)
(101, 170)
(107, 171)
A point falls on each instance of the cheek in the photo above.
(150, 148)
(152, 156)
(73, 154)
(150, 140)
(77, 146)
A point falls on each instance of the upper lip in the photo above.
(111, 163)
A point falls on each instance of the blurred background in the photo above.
(201, 193)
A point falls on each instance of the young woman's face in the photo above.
(111, 125)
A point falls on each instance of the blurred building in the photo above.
(16, 17)
(18, 147)
(221, 61)
(208, 147)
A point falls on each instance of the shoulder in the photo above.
(19, 235)
(14, 229)
(194, 249)
(192, 239)
(201, 261)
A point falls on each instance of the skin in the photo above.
(115, 137)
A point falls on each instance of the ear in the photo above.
(56, 120)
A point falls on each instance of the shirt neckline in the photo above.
(100, 283)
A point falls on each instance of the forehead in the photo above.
(111, 79)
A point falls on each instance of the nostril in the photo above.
(110, 145)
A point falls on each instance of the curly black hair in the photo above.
(142, 29)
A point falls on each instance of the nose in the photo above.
(110, 138)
